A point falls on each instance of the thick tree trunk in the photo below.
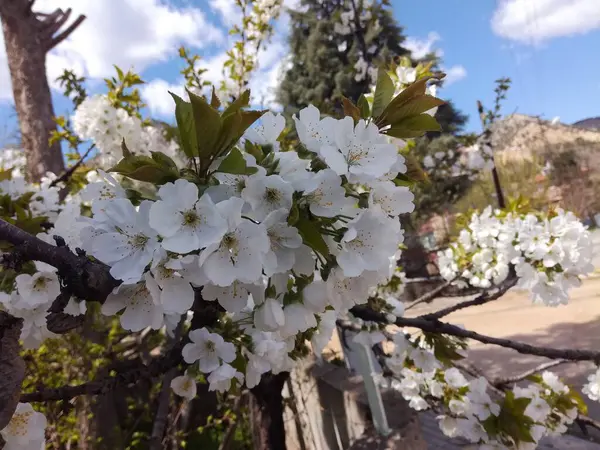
(268, 431)
(26, 52)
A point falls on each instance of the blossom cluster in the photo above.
(550, 253)
(96, 119)
(469, 161)
(283, 248)
(471, 408)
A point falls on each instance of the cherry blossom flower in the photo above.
(37, 289)
(220, 379)
(141, 302)
(185, 221)
(239, 254)
(209, 349)
(184, 386)
(129, 244)
(267, 194)
(26, 428)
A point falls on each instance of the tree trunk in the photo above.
(27, 63)
(268, 431)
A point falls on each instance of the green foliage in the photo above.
(191, 72)
(518, 179)
(311, 235)
(236, 164)
(72, 86)
(123, 93)
(158, 169)
(208, 134)
(322, 70)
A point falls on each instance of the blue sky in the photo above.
(547, 47)
(553, 75)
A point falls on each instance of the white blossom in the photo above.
(141, 302)
(240, 253)
(128, 243)
(359, 150)
(37, 289)
(209, 349)
(184, 386)
(220, 379)
(26, 429)
(268, 129)
(269, 316)
(266, 194)
(185, 221)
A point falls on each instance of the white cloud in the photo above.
(156, 95)
(128, 33)
(534, 21)
(422, 47)
(230, 13)
(454, 74)
(263, 83)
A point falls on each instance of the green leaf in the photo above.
(294, 214)
(119, 72)
(350, 109)
(5, 174)
(384, 91)
(207, 122)
(413, 107)
(128, 165)
(254, 150)
(578, 400)
(144, 168)
(311, 235)
(236, 164)
(164, 161)
(241, 102)
(126, 152)
(416, 89)
(186, 127)
(214, 100)
(363, 106)
(414, 127)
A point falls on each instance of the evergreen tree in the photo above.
(333, 44)
(336, 47)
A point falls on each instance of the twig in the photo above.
(164, 399)
(435, 326)
(69, 172)
(162, 412)
(482, 299)
(232, 424)
(105, 384)
(62, 36)
(428, 296)
(500, 382)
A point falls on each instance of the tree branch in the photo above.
(69, 172)
(502, 382)
(435, 326)
(429, 295)
(162, 412)
(105, 384)
(62, 36)
(482, 299)
(87, 279)
(52, 23)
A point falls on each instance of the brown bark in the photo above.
(268, 431)
(12, 367)
(27, 39)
